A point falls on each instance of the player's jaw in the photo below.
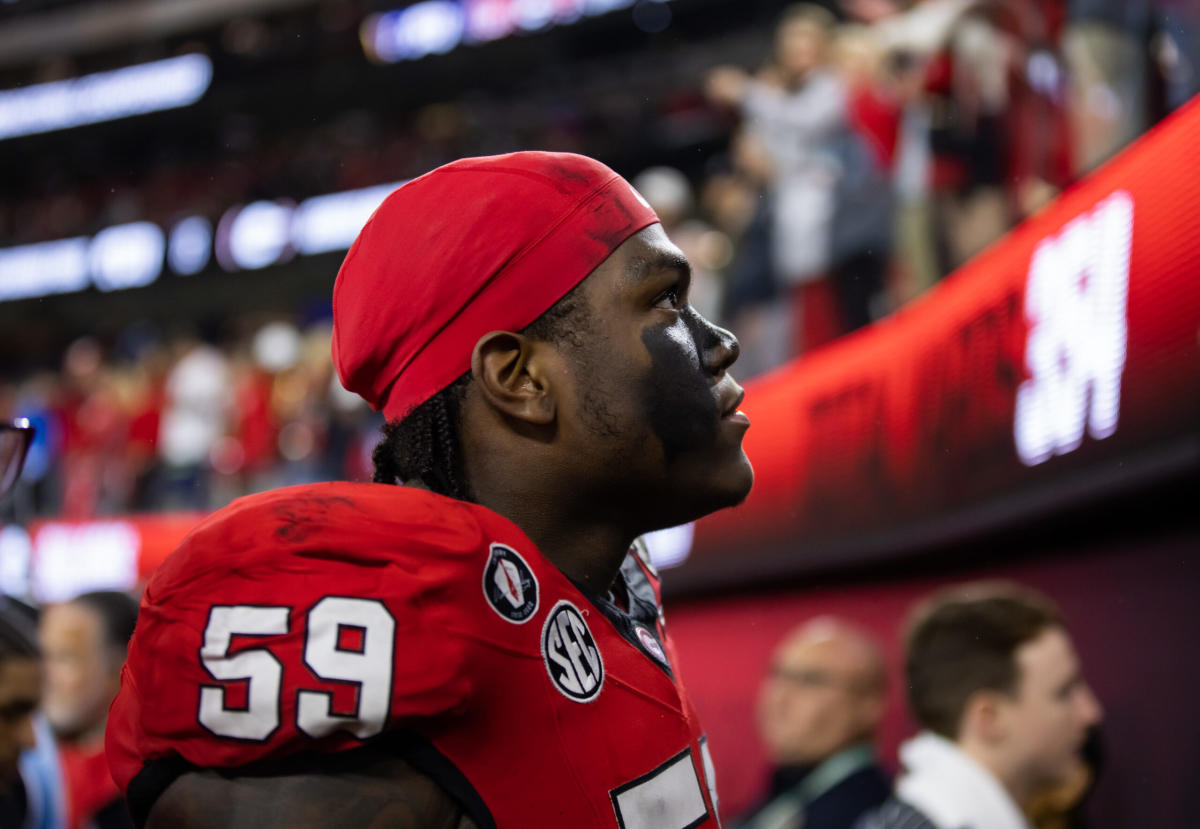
(694, 411)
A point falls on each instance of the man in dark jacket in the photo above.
(818, 710)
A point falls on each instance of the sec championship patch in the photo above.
(509, 585)
(572, 658)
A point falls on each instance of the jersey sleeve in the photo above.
(308, 619)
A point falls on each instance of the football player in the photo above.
(483, 645)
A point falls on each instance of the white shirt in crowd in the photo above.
(951, 789)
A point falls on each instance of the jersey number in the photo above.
(365, 663)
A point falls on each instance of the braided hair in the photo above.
(426, 444)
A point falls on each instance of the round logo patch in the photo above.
(509, 585)
(572, 658)
(650, 643)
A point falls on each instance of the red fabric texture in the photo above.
(875, 116)
(477, 245)
(90, 787)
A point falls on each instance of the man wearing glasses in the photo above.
(20, 668)
(15, 439)
(819, 708)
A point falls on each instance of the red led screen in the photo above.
(1063, 360)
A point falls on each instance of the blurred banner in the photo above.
(1061, 364)
(57, 560)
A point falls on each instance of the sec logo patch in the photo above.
(509, 585)
(572, 658)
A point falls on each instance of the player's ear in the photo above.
(510, 371)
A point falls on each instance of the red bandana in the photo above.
(478, 245)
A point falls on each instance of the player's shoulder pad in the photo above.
(352, 523)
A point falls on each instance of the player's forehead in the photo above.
(646, 255)
(650, 250)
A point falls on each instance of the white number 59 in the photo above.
(366, 664)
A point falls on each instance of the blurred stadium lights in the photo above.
(438, 26)
(104, 96)
(255, 236)
(190, 245)
(328, 223)
(69, 558)
(131, 255)
(126, 256)
(87, 27)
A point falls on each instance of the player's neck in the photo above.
(589, 556)
(587, 549)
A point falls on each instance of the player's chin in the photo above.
(726, 484)
(741, 478)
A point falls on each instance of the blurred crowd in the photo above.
(867, 151)
(181, 423)
(1008, 727)
(894, 144)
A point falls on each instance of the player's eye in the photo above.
(668, 299)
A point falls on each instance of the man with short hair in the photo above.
(819, 709)
(995, 683)
(20, 688)
(480, 646)
(30, 792)
(84, 643)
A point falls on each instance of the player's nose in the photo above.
(719, 348)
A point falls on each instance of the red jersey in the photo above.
(319, 618)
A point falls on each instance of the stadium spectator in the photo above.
(20, 689)
(20, 673)
(864, 205)
(997, 688)
(31, 790)
(1105, 48)
(754, 306)
(84, 643)
(819, 708)
(195, 414)
(796, 109)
